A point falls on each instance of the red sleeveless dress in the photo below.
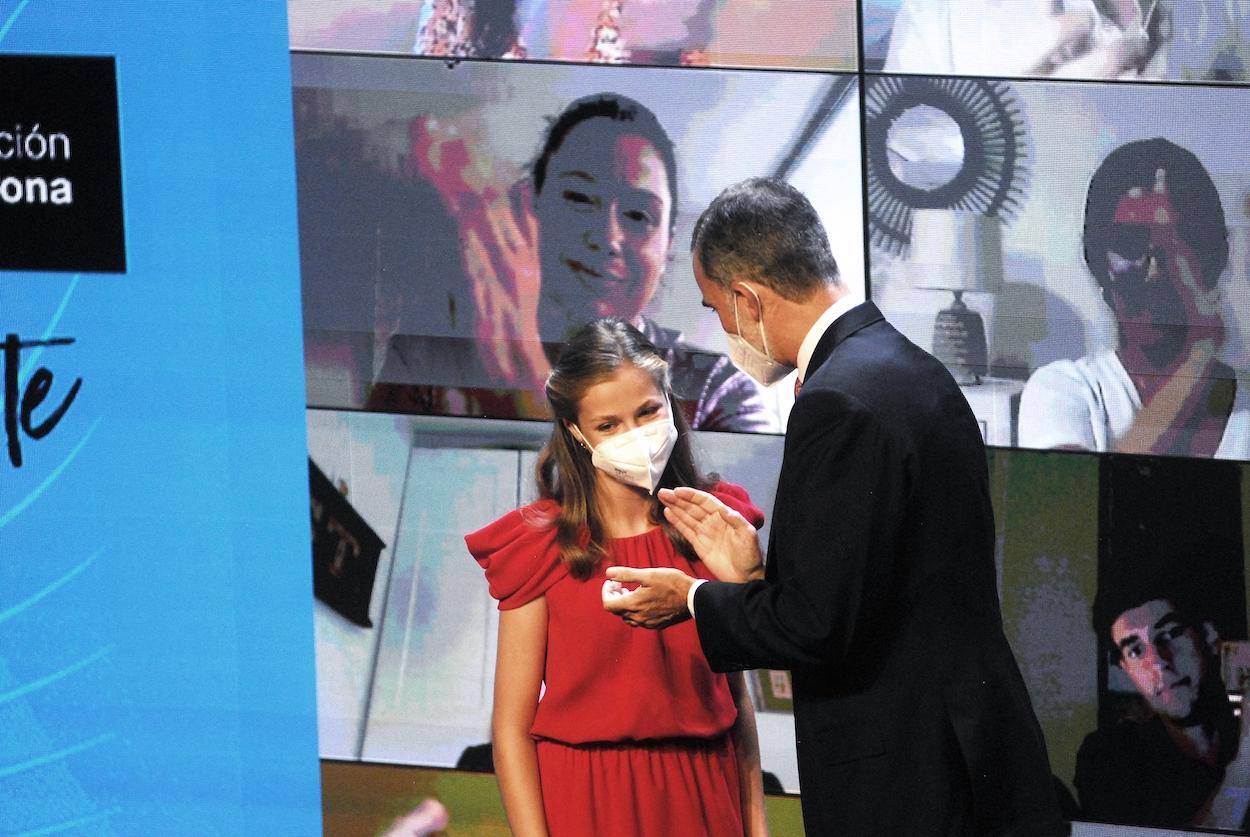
(633, 726)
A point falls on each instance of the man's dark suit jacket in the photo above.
(880, 595)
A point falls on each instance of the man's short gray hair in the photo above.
(765, 230)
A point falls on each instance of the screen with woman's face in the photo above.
(459, 223)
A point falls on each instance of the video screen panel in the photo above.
(1124, 598)
(1077, 253)
(1176, 40)
(445, 255)
(795, 34)
(406, 661)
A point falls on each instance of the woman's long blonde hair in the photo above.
(565, 473)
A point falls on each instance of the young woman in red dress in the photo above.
(599, 728)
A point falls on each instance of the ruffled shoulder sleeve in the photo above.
(736, 497)
(519, 554)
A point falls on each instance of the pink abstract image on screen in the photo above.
(816, 34)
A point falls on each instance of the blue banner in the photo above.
(156, 665)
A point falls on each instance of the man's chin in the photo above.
(1190, 719)
(1179, 709)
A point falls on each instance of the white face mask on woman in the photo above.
(636, 457)
(759, 365)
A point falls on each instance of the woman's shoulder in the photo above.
(528, 520)
(519, 553)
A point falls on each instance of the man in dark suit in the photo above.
(880, 595)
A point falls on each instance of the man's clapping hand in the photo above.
(724, 540)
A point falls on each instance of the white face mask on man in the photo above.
(636, 457)
(759, 365)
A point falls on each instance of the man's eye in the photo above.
(604, 428)
(1132, 652)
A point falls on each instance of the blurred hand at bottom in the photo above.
(427, 818)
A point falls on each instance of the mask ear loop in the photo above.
(672, 414)
(577, 431)
(759, 305)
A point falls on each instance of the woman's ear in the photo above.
(573, 431)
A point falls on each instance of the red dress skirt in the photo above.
(678, 787)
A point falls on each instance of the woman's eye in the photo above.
(640, 216)
(604, 428)
(579, 199)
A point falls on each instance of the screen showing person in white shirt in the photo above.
(1155, 241)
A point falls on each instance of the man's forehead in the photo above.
(1142, 618)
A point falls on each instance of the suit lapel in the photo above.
(864, 314)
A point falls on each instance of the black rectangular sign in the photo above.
(60, 165)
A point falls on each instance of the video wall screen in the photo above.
(1053, 197)
(1177, 40)
(1077, 253)
(1123, 583)
(456, 224)
(797, 34)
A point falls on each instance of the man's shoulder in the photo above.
(868, 352)
(880, 368)
(1122, 742)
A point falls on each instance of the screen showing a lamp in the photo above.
(955, 251)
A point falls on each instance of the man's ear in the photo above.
(748, 297)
